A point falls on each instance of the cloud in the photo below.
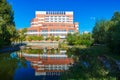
(92, 18)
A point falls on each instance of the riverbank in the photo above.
(32, 44)
(43, 44)
(93, 63)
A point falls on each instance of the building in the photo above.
(53, 23)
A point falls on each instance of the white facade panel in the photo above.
(40, 12)
(69, 12)
(46, 32)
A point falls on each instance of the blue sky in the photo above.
(86, 12)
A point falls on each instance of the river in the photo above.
(34, 64)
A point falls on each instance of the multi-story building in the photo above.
(55, 23)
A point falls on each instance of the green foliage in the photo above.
(99, 31)
(116, 17)
(22, 35)
(48, 38)
(33, 51)
(8, 65)
(63, 45)
(35, 38)
(39, 38)
(79, 39)
(88, 65)
(41, 51)
(52, 38)
(71, 39)
(113, 40)
(7, 25)
(108, 32)
(57, 38)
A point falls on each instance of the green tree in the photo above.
(99, 31)
(40, 38)
(113, 35)
(71, 39)
(7, 25)
(79, 39)
(52, 38)
(29, 38)
(47, 38)
(108, 32)
(57, 38)
(22, 35)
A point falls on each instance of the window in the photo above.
(44, 34)
(32, 31)
(44, 30)
(71, 30)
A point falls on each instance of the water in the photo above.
(34, 64)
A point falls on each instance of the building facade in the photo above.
(53, 23)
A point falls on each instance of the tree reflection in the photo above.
(8, 65)
(92, 64)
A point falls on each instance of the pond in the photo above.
(34, 64)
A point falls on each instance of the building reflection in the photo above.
(48, 64)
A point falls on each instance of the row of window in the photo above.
(53, 73)
(55, 12)
(66, 65)
(71, 31)
(56, 21)
(32, 31)
(53, 18)
(56, 16)
(53, 34)
(51, 31)
(57, 30)
(44, 31)
(57, 25)
(64, 68)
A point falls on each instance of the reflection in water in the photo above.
(48, 64)
(33, 64)
(41, 51)
(8, 65)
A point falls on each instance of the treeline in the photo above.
(108, 33)
(80, 39)
(7, 25)
(105, 32)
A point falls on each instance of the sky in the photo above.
(86, 12)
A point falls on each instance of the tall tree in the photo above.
(7, 25)
(99, 31)
(22, 35)
(108, 32)
(113, 40)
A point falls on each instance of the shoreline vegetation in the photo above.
(93, 63)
